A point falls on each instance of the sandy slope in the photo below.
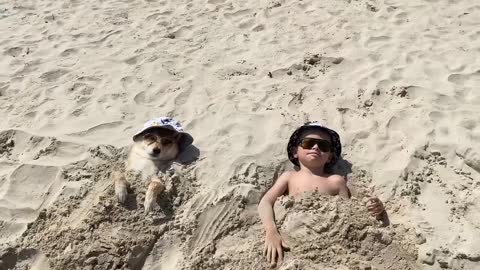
(396, 79)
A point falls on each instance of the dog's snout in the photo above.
(156, 151)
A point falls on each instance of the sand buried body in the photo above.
(396, 79)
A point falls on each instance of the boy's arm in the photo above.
(374, 205)
(273, 241)
(265, 207)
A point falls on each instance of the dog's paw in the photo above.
(149, 201)
(156, 185)
(164, 182)
(121, 195)
(121, 186)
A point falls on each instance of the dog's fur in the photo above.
(150, 156)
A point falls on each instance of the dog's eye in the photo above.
(166, 141)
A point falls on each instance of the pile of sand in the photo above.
(398, 79)
(90, 230)
(321, 231)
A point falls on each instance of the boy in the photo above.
(315, 149)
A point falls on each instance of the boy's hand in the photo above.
(273, 249)
(375, 207)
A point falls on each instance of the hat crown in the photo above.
(313, 123)
(163, 121)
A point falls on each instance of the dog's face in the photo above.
(159, 144)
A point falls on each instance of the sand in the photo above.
(396, 79)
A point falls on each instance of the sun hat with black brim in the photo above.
(314, 125)
(168, 124)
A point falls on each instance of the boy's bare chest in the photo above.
(299, 185)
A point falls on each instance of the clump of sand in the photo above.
(338, 233)
(322, 231)
(90, 230)
(398, 80)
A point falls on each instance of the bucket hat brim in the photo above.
(166, 123)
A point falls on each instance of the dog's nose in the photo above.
(156, 151)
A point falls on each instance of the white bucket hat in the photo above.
(170, 124)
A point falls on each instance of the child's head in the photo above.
(314, 146)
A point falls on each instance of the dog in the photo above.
(154, 149)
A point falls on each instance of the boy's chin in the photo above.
(313, 162)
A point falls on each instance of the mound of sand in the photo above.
(86, 227)
(90, 230)
(322, 231)
(398, 79)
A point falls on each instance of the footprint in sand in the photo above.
(128, 83)
(472, 79)
(376, 40)
(140, 98)
(242, 19)
(14, 51)
(184, 32)
(51, 76)
(248, 23)
(79, 88)
(3, 88)
(157, 15)
(258, 28)
(69, 52)
(183, 96)
(216, 2)
(26, 69)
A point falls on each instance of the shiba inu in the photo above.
(154, 149)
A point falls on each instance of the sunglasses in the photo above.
(151, 138)
(323, 145)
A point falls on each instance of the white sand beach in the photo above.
(397, 79)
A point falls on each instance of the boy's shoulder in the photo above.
(337, 179)
(288, 174)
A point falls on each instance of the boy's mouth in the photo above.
(314, 154)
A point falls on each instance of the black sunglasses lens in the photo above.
(323, 145)
(149, 137)
(307, 143)
(166, 141)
